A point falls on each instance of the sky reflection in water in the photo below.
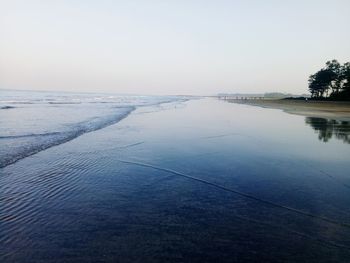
(91, 199)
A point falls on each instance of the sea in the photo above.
(119, 178)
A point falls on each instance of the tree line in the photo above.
(331, 82)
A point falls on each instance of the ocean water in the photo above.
(172, 180)
(34, 121)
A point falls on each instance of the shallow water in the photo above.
(193, 181)
(34, 121)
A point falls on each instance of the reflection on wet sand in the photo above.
(327, 129)
(182, 184)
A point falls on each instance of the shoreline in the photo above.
(337, 110)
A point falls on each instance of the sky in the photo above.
(197, 47)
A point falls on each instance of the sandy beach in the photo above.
(337, 110)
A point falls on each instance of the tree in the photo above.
(346, 79)
(320, 82)
(313, 86)
(335, 67)
(332, 81)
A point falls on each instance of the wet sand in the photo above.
(195, 181)
(337, 110)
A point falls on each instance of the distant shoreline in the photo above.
(338, 110)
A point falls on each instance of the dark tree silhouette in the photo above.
(336, 80)
(321, 82)
(346, 79)
(333, 81)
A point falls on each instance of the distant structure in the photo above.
(271, 95)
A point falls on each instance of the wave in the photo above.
(29, 135)
(63, 103)
(48, 140)
(6, 107)
(18, 146)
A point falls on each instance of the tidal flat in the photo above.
(197, 180)
(338, 110)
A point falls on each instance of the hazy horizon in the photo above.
(163, 47)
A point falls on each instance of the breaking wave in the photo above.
(43, 141)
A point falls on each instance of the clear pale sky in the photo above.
(169, 47)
